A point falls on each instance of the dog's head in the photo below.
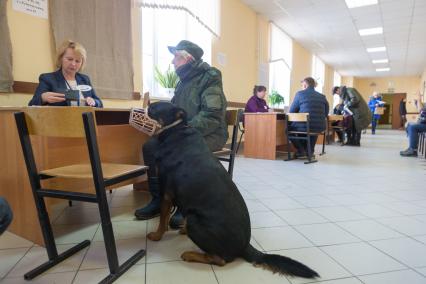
(167, 114)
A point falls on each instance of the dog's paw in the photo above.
(155, 236)
(182, 231)
(186, 256)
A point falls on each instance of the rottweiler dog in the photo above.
(216, 216)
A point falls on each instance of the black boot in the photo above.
(153, 208)
(177, 220)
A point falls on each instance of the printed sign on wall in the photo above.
(37, 8)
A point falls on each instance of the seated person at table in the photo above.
(309, 101)
(200, 94)
(52, 86)
(257, 103)
(414, 129)
(5, 215)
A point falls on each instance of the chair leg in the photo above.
(310, 160)
(323, 146)
(110, 246)
(239, 142)
(231, 165)
(49, 242)
(70, 203)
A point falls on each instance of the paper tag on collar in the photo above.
(84, 88)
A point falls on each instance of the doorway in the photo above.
(391, 118)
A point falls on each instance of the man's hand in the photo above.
(52, 97)
(90, 101)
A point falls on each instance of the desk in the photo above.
(263, 134)
(118, 142)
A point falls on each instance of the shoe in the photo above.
(408, 153)
(373, 133)
(150, 211)
(177, 220)
(300, 155)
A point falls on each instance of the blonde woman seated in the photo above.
(53, 86)
(257, 103)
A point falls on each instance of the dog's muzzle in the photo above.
(140, 120)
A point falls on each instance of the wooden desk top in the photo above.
(258, 113)
(14, 108)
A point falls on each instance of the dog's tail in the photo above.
(278, 263)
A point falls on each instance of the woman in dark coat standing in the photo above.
(355, 103)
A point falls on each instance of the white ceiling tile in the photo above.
(335, 26)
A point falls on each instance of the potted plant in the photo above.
(275, 99)
(168, 80)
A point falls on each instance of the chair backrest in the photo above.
(56, 121)
(232, 116)
(146, 102)
(335, 117)
(298, 117)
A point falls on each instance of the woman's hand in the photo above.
(52, 97)
(90, 101)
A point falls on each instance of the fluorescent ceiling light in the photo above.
(376, 49)
(382, 69)
(360, 3)
(377, 61)
(372, 31)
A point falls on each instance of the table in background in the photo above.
(264, 134)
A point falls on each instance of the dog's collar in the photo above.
(169, 126)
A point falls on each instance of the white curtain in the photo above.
(103, 27)
(281, 46)
(6, 78)
(206, 12)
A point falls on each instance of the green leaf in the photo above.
(168, 79)
(275, 98)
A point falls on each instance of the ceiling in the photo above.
(329, 29)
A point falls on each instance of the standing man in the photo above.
(310, 101)
(200, 94)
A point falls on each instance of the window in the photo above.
(280, 63)
(318, 73)
(166, 27)
(337, 79)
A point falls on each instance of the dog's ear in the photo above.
(181, 114)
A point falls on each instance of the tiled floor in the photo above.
(356, 216)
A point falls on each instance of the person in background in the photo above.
(375, 101)
(257, 102)
(200, 93)
(310, 101)
(403, 112)
(336, 99)
(355, 105)
(414, 129)
(70, 60)
(6, 215)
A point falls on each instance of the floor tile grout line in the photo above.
(16, 263)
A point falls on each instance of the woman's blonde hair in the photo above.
(78, 49)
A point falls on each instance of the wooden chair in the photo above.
(231, 120)
(240, 128)
(71, 122)
(302, 135)
(421, 148)
(146, 101)
(334, 128)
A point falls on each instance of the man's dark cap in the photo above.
(189, 47)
